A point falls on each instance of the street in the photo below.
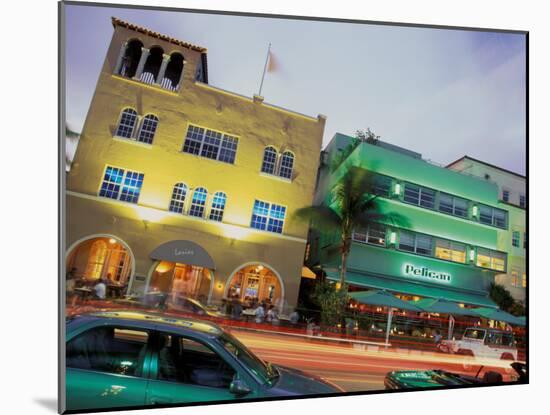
(352, 368)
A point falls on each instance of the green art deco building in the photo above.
(450, 246)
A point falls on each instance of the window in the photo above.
(453, 205)
(419, 196)
(127, 123)
(420, 244)
(108, 349)
(177, 202)
(381, 185)
(148, 129)
(487, 258)
(193, 140)
(121, 185)
(210, 144)
(524, 280)
(268, 216)
(515, 279)
(524, 240)
(522, 201)
(218, 205)
(269, 161)
(187, 361)
(515, 239)
(506, 195)
(492, 216)
(451, 251)
(198, 203)
(287, 163)
(375, 234)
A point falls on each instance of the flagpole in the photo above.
(265, 67)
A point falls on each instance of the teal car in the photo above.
(422, 379)
(124, 359)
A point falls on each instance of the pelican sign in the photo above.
(425, 272)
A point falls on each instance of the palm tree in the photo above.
(352, 205)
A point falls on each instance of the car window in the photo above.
(188, 361)
(266, 373)
(474, 334)
(109, 349)
(496, 338)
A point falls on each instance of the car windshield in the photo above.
(474, 334)
(263, 370)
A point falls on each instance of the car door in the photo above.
(185, 370)
(107, 367)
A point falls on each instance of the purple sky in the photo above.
(442, 93)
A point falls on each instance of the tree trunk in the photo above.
(344, 266)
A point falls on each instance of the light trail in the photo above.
(355, 369)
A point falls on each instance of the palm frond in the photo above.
(323, 218)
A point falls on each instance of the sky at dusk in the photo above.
(442, 93)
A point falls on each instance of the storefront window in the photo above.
(451, 251)
(181, 280)
(255, 283)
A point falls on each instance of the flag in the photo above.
(272, 64)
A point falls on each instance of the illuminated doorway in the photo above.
(100, 258)
(183, 280)
(256, 283)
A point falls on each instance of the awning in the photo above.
(413, 288)
(184, 252)
(384, 299)
(441, 306)
(307, 273)
(499, 315)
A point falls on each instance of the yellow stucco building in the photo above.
(181, 187)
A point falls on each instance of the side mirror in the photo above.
(239, 388)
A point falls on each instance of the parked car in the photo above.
(132, 358)
(414, 379)
(484, 343)
(190, 305)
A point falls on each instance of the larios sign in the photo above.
(425, 272)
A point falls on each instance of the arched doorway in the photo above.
(180, 280)
(100, 257)
(256, 282)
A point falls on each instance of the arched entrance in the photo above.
(256, 282)
(178, 279)
(100, 257)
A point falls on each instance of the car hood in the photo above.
(427, 379)
(296, 382)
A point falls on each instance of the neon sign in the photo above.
(425, 272)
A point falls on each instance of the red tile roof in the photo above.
(118, 22)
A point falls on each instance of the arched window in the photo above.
(178, 198)
(152, 66)
(127, 123)
(269, 161)
(218, 205)
(131, 58)
(148, 129)
(287, 162)
(174, 71)
(198, 202)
